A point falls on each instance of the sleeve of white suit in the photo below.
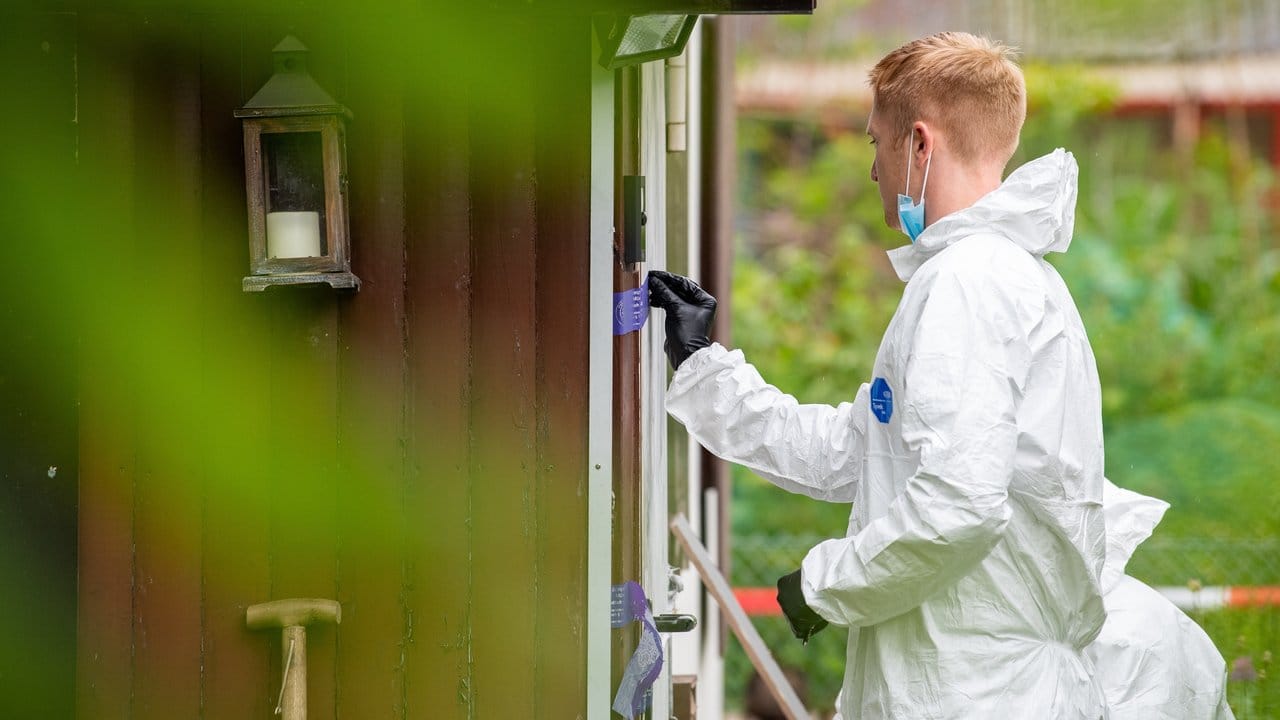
(814, 450)
(960, 392)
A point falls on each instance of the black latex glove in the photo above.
(690, 311)
(805, 623)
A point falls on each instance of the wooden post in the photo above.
(719, 145)
(626, 369)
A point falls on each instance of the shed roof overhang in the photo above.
(655, 7)
(696, 7)
(523, 7)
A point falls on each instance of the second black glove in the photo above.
(805, 623)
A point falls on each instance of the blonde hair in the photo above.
(968, 86)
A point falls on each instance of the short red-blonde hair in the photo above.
(968, 86)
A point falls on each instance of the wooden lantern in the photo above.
(296, 179)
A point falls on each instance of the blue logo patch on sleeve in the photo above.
(881, 400)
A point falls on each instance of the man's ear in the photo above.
(922, 138)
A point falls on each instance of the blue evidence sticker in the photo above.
(882, 400)
(631, 309)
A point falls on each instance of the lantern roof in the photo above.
(291, 90)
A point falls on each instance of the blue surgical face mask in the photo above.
(911, 214)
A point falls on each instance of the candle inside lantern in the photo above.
(293, 234)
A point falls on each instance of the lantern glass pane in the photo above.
(293, 169)
(647, 33)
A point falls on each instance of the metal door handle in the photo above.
(675, 623)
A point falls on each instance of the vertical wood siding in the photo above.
(373, 360)
(107, 424)
(563, 200)
(236, 523)
(504, 366)
(167, 475)
(438, 276)
(37, 419)
(416, 450)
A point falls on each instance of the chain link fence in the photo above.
(1161, 561)
(1247, 637)
(758, 560)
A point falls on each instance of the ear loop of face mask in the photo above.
(911, 214)
(928, 161)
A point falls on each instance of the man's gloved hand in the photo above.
(690, 311)
(805, 623)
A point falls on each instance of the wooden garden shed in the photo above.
(461, 452)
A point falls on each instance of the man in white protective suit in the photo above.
(1154, 662)
(969, 579)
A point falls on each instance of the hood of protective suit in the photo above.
(1034, 207)
(1131, 518)
(1154, 662)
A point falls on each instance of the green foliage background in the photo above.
(1174, 267)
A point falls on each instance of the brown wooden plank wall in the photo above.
(504, 367)
(562, 315)
(439, 270)
(168, 474)
(236, 572)
(372, 408)
(107, 164)
(416, 450)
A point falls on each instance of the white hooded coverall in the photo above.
(1154, 662)
(969, 577)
